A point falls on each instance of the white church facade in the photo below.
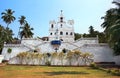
(61, 29)
(62, 32)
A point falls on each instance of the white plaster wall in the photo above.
(45, 47)
(102, 53)
(83, 41)
(32, 42)
(15, 50)
(117, 60)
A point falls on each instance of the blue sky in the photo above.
(38, 13)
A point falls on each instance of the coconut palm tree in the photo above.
(117, 2)
(115, 37)
(22, 22)
(109, 19)
(111, 25)
(26, 31)
(112, 15)
(114, 32)
(7, 16)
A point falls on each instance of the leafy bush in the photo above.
(9, 50)
(64, 50)
(48, 63)
(35, 51)
(116, 72)
(109, 71)
(94, 66)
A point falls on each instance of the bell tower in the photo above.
(61, 30)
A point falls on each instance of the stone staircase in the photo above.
(32, 48)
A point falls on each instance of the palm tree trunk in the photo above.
(7, 25)
(18, 33)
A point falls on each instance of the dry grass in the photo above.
(13, 71)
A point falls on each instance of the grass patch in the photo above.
(14, 71)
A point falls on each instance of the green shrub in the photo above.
(9, 50)
(109, 71)
(94, 66)
(64, 50)
(116, 72)
(48, 63)
(35, 51)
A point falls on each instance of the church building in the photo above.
(61, 29)
(61, 36)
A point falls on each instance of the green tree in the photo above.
(7, 16)
(117, 48)
(115, 37)
(91, 31)
(112, 26)
(85, 35)
(5, 36)
(8, 35)
(2, 34)
(102, 37)
(26, 31)
(22, 22)
(77, 36)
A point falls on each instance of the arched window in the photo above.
(61, 33)
(52, 25)
(66, 33)
(50, 33)
(71, 33)
(61, 25)
(61, 19)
